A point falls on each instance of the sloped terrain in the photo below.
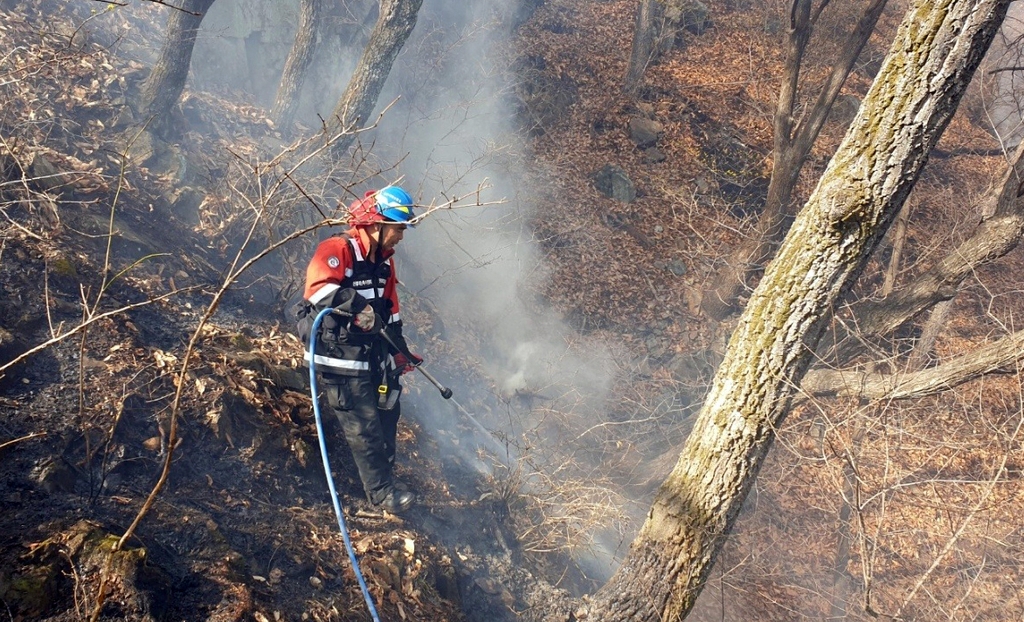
(857, 503)
(243, 527)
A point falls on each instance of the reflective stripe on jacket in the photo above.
(341, 276)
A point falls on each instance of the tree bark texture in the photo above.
(645, 34)
(300, 58)
(935, 53)
(657, 29)
(395, 23)
(1002, 355)
(930, 332)
(793, 139)
(162, 89)
(999, 232)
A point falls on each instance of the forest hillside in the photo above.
(598, 209)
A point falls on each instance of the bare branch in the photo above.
(998, 356)
(161, 2)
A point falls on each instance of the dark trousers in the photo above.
(370, 431)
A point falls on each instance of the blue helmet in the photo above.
(394, 204)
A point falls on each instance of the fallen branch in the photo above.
(15, 441)
(80, 327)
(998, 356)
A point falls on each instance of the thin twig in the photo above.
(7, 444)
(96, 318)
(161, 2)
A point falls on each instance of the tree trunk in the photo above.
(1002, 355)
(793, 142)
(162, 89)
(998, 233)
(645, 34)
(394, 25)
(918, 358)
(898, 238)
(300, 58)
(842, 582)
(348, 35)
(936, 50)
(657, 29)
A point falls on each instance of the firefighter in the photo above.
(354, 273)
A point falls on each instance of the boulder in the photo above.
(695, 17)
(645, 132)
(612, 181)
(54, 475)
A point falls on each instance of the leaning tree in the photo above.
(935, 52)
(395, 23)
(797, 121)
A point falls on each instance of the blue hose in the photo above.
(327, 466)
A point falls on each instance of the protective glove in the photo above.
(404, 365)
(365, 319)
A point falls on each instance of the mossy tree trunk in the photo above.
(162, 89)
(794, 134)
(935, 53)
(395, 23)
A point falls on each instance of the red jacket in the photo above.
(332, 264)
(341, 276)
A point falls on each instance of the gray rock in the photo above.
(612, 181)
(250, 47)
(55, 475)
(645, 132)
(677, 267)
(696, 18)
(654, 155)
(44, 174)
(186, 205)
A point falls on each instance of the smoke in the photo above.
(996, 101)
(454, 126)
(451, 126)
(480, 265)
(450, 130)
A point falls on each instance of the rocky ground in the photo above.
(666, 178)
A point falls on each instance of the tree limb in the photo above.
(999, 356)
(996, 235)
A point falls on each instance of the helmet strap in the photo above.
(374, 233)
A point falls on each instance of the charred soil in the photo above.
(123, 239)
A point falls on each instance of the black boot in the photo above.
(398, 500)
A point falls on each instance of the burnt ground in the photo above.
(244, 526)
